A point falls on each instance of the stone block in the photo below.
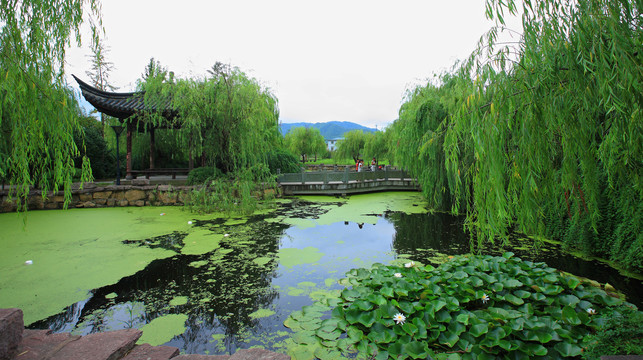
(111, 202)
(101, 202)
(140, 182)
(123, 203)
(11, 327)
(139, 203)
(111, 345)
(36, 203)
(40, 344)
(147, 351)
(258, 354)
(59, 198)
(51, 206)
(8, 206)
(167, 198)
(201, 357)
(133, 195)
(102, 195)
(118, 195)
(84, 197)
(88, 204)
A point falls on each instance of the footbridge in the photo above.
(346, 182)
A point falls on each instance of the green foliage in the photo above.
(545, 132)
(229, 119)
(305, 141)
(239, 192)
(203, 175)
(417, 142)
(101, 68)
(471, 307)
(37, 114)
(352, 145)
(92, 145)
(376, 145)
(622, 334)
(283, 160)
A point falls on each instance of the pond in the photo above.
(210, 284)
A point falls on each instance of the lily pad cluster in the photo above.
(471, 307)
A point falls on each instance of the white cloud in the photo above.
(333, 60)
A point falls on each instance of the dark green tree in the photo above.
(351, 146)
(37, 116)
(542, 136)
(305, 141)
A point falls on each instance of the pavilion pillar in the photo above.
(152, 148)
(130, 128)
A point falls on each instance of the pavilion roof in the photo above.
(121, 105)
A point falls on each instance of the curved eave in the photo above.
(119, 105)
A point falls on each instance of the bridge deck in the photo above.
(346, 182)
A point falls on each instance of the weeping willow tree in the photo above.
(37, 113)
(305, 141)
(543, 136)
(229, 119)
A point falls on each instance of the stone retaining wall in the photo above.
(92, 195)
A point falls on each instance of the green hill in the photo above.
(329, 130)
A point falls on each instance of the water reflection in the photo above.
(222, 291)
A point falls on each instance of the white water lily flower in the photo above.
(591, 311)
(399, 318)
(189, 222)
(410, 264)
(485, 298)
(398, 275)
(28, 262)
(226, 235)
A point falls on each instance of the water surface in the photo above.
(224, 283)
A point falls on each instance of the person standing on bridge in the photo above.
(360, 164)
(373, 163)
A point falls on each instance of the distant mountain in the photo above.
(329, 130)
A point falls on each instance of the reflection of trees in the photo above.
(223, 289)
(443, 233)
(439, 232)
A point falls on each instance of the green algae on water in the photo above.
(361, 209)
(262, 260)
(290, 257)
(200, 241)
(163, 329)
(179, 300)
(75, 251)
(261, 313)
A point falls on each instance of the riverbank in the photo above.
(92, 195)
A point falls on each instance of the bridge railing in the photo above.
(346, 176)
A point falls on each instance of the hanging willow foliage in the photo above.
(229, 119)
(545, 136)
(38, 115)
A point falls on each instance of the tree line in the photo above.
(543, 136)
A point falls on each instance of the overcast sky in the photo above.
(324, 60)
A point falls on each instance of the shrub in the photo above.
(471, 307)
(622, 334)
(203, 174)
(283, 160)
